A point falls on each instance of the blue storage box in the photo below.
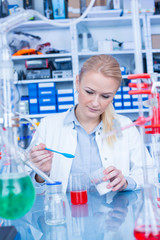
(47, 101)
(65, 99)
(65, 92)
(46, 89)
(64, 107)
(33, 106)
(118, 105)
(32, 90)
(47, 109)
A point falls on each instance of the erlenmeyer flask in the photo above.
(147, 224)
(17, 193)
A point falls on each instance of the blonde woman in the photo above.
(80, 131)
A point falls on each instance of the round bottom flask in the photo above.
(54, 204)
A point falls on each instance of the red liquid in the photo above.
(141, 235)
(79, 197)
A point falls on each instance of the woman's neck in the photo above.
(88, 124)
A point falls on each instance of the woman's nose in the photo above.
(95, 101)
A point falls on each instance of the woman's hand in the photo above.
(42, 159)
(116, 178)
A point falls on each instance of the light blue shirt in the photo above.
(87, 157)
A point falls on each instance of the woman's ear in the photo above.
(77, 83)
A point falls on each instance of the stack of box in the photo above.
(47, 97)
(65, 99)
(33, 98)
(127, 99)
(74, 8)
(118, 100)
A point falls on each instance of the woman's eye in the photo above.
(105, 96)
(89, 92)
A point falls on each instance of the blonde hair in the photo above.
(109, 67)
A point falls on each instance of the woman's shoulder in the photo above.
(54, 118)
(123, 119)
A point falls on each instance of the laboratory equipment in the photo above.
(55, 212)
(67, 155)
(78, 188)
(96, 178)
(147, 224)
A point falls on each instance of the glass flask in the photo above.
(147, 224)
(17, 193)
(54, 209)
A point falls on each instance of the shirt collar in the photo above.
(71, 118)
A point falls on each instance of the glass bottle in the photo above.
(55, 212)
(147, 224)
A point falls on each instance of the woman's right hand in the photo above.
(42, 159)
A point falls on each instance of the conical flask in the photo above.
(17, 193)
(147, 224)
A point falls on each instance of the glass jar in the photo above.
(54, 209)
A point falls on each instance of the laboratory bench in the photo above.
(107, 217)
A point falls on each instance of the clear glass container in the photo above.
(54, 209)
(147, 224)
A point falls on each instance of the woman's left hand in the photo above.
(116, 178)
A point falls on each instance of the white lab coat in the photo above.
(126, 153)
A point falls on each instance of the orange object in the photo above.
(141, 75)
(143, 91)
(26, 52)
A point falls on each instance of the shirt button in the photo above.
(99, 133)
(105, 158)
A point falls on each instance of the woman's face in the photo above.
(96, 92)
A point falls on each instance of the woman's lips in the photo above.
(93, 109)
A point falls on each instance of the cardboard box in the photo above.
(97, 3)
(156, 41)
(144, 6)
(74, 8)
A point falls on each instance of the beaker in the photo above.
(147, 224)
(17, 193)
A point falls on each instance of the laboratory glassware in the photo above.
(147, 224)
(96, 178)
(17, 193)
(54, 209)
(78, 188)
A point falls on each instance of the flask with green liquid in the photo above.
(17, 193)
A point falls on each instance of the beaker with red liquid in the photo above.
(78, 188)
(147, 224)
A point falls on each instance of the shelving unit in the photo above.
(119, 28)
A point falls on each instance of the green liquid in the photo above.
(17, 195)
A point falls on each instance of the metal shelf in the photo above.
(44, 80)
(130, 111)
(91, 53)
(17, 58)
(42, 25)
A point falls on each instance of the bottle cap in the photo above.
(55, 187)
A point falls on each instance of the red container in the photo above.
(79, 197)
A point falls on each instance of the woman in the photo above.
(80, 131)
